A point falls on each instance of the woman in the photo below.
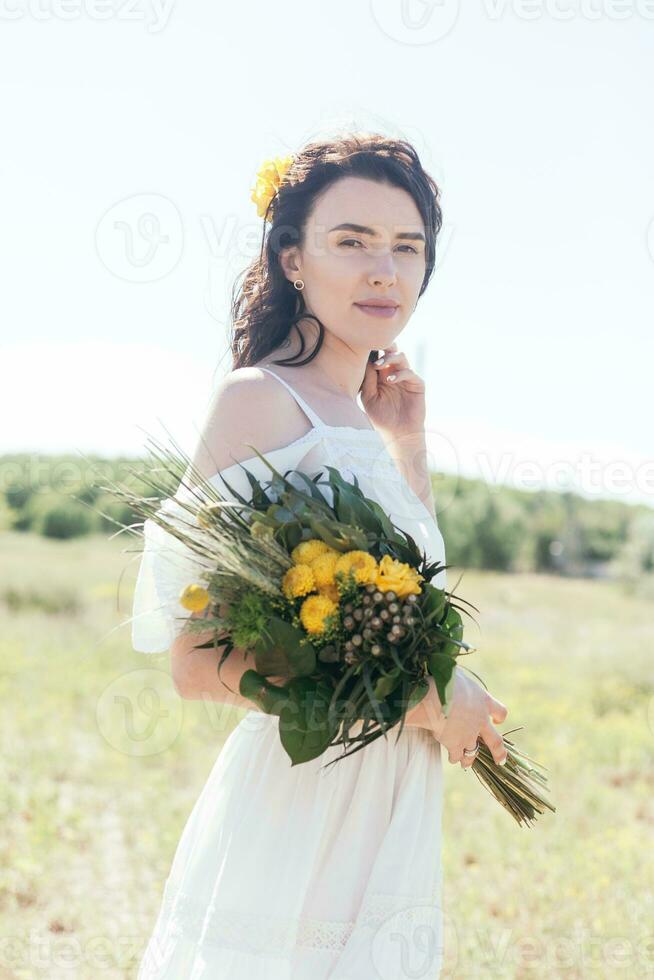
(291, 873)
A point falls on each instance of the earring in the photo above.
(299, 284)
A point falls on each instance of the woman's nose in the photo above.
(383, 269)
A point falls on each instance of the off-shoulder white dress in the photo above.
(298, 872)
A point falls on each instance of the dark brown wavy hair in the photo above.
(266, 306)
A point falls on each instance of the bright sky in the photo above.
(132, 134)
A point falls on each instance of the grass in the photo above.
(98, 779)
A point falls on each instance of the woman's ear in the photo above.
(289, 259)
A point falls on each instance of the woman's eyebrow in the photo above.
(416, 236)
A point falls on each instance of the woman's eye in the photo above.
(352, 241)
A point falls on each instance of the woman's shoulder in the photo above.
(248, 407)
(244, 391)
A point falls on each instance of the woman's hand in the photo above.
(468, 718)
(396, 407)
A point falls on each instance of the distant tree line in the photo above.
(484, 526)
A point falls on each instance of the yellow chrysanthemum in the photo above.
(397, 576)
(331, 591)
(361, 563)
(314, 611)
(268, 180)
(298, 580)
(323, 568)
(194, 597)
(305, 552)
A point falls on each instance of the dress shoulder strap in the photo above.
(313, 417)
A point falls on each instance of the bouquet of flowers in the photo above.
(331, 599)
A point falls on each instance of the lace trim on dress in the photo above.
(278, 936)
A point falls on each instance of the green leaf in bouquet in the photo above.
(256, 688)
(291, 535)
(412, 694)
(314, 489)
(367, 513)
(282, 484)
(304, 725)
(375, 703)
(280, 514)
(441, 667)
(451, 628)
(386, 684)
(433, 602)
(283, 643)
(337, 536)
(258, 499)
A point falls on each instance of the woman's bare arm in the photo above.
(195, 672)
(234, 423)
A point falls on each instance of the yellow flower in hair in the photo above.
(398, 577)
(297, 581)
(195, 598)
(268, 181)
(305, 552)
(314, 611)
(361, 563)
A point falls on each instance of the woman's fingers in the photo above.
(455, 752)
(497, 711)
(391, 358)
(495, 743)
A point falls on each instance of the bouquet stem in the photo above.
(515, 785)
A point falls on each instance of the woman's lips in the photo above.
(384, 311)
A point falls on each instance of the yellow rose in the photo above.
(194, 597)
(397, 576)
(314, 611)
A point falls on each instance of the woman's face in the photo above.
(342, 267)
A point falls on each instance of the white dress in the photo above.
(299, 872)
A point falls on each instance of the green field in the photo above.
(99, 778)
